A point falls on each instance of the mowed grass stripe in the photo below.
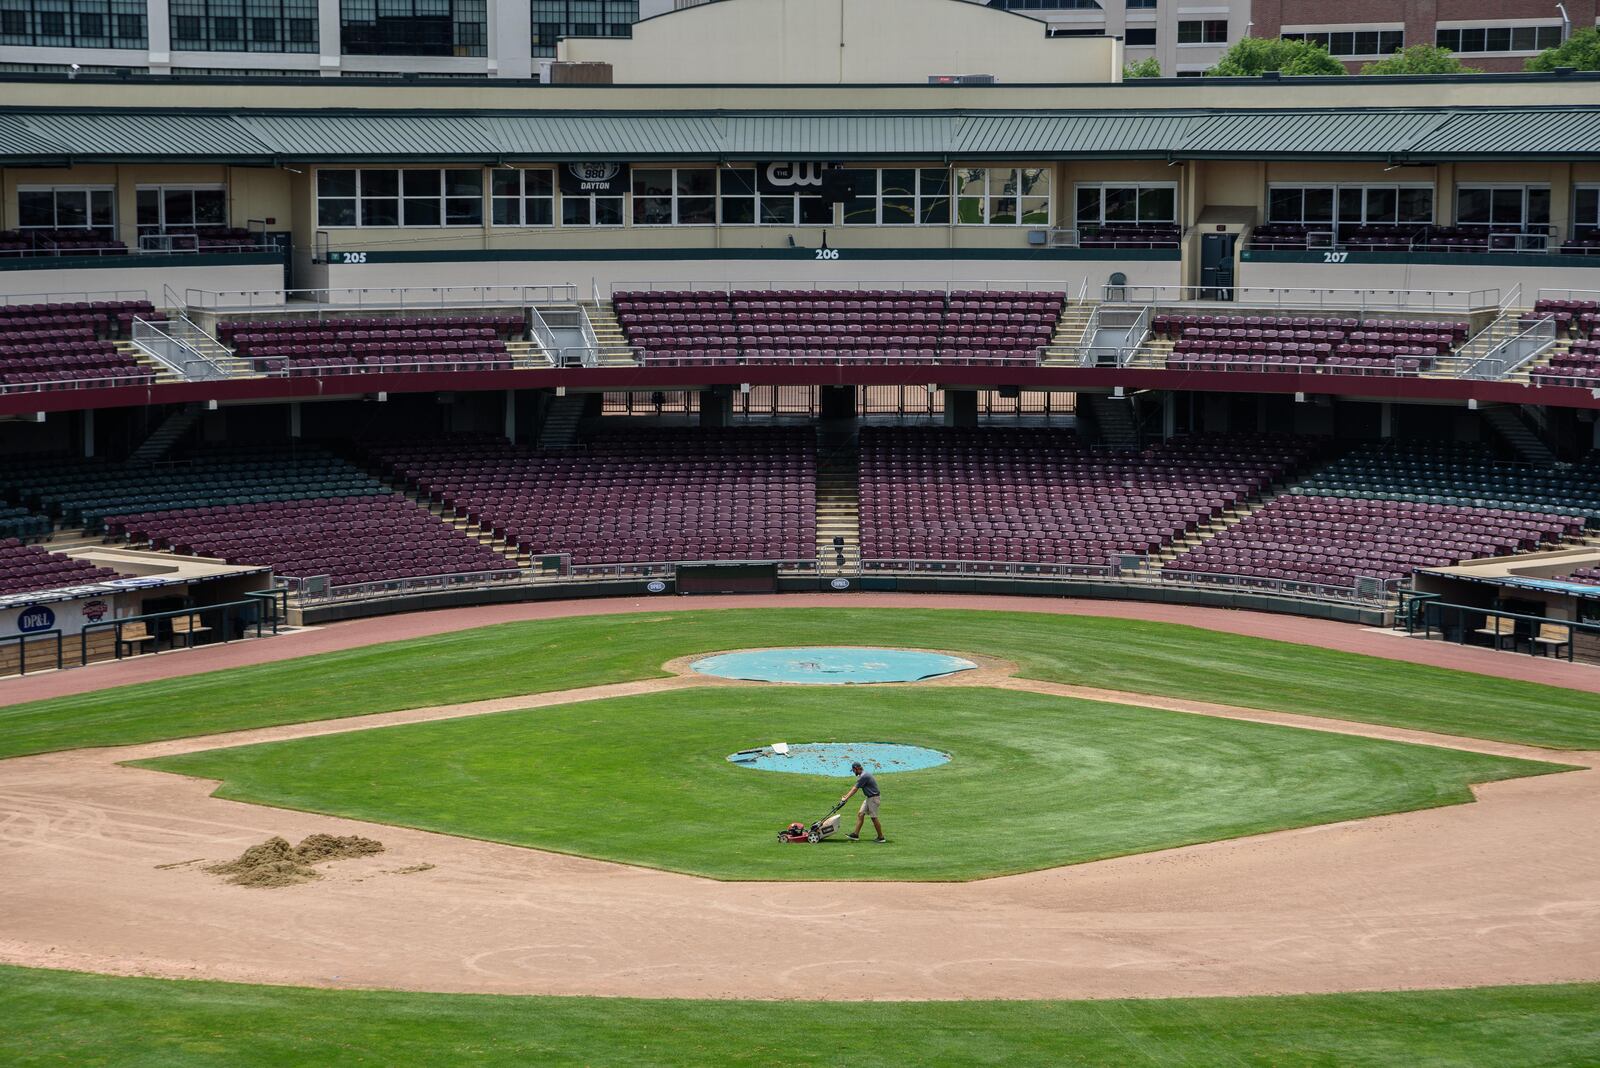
(547, 655)
(1035, 781)
(57, 1018)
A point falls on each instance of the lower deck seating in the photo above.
(1579, 364)
(1337, 541)
(633, 497)
(83, 492)
(348, 539)
(1384, 510)
(1044, 496)
(30, 569)
(18, 522)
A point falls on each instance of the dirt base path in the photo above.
(101, 872)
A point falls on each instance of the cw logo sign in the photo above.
(789, 175)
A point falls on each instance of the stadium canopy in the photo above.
(55, 137)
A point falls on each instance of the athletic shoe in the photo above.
(853, 837)
(879, 841)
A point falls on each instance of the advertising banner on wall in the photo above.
(790, 177)
(603, 179)
(65, 616)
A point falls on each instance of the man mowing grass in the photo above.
(869, 803)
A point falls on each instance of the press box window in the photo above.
(899, 196)
(1003, 196)
(1127, 204)
(523, 198)
(681, 197)
(367, 198)
(66, 208)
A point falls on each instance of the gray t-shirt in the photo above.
(867, 784)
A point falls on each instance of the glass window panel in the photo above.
(1088, 204)
(1285, 205)
(935, 182)
(652, 183)
(1472, 205)
(336, 212)
(504, 211)
(210, 207)
(935, 211)
(72, 208)
(813, 212)
(972, 182)
(1034, 182)
(738, 211)
(1523, 38)
(1036, 211)
(102, 207)
(538, 183)
(380, 211)
(1122, 204)
(505, 183)
(1586, 206)
(179, 207)
(1416, 205)
(899, 211)
(697, 182)
(422, 211)
(697, 211)
(899, 182)
(608, 211)
(1497, 39)
(336, 183)
(1350, 204)
(462, 182)
(418, 183)
(1538, 205)
(1506, 206)
(575, 211)
(463, 211)
(1319, 204)
(538, 211)
(1381, 205)
(380, 183)
(147, 207)
(1158, 204)
(777, 210)
(36, 208)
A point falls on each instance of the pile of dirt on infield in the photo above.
(276, 863)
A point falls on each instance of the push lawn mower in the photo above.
(823, 828)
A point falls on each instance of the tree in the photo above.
(1253, 55)
(1420, 59)
(1580, 51)
(1145, 68)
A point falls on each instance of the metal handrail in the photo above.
(1363, 300)
(22, 641)
(378, 297)
(943, 285)
(357, 590)
(1504, 357)
(253, 600)
(177, 353)
(79, 296)
(544, 336)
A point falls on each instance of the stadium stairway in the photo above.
(1068, 336)
(1111, 419)
(161, 440)
(838, 504)
(1513, 429)
(1229, 518)
(560, 427)
(527, 354)
(163, 373)
(460, 524)
(614, 347)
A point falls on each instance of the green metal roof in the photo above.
(1421, 135)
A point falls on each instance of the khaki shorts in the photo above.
(869, 806)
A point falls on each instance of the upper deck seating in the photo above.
(68, 345)
(782, 326)
(635, 497)
(307, 345)
(1306, 343)
(992, 495)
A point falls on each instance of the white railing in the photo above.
(943, 285)
(497, 361)
(1514, 351)
(1086, 351)
(990, 567)
(836, 359)
(159, 342)
(1367, 590)
(409, 298)
(110, 380)
(189, 245)
(1570, 294)
(542, 334)
(78, 296)
(1120, 354)
(1458, 301)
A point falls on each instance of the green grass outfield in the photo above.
(1035, 781)
(558, 654)
(67, 1018)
